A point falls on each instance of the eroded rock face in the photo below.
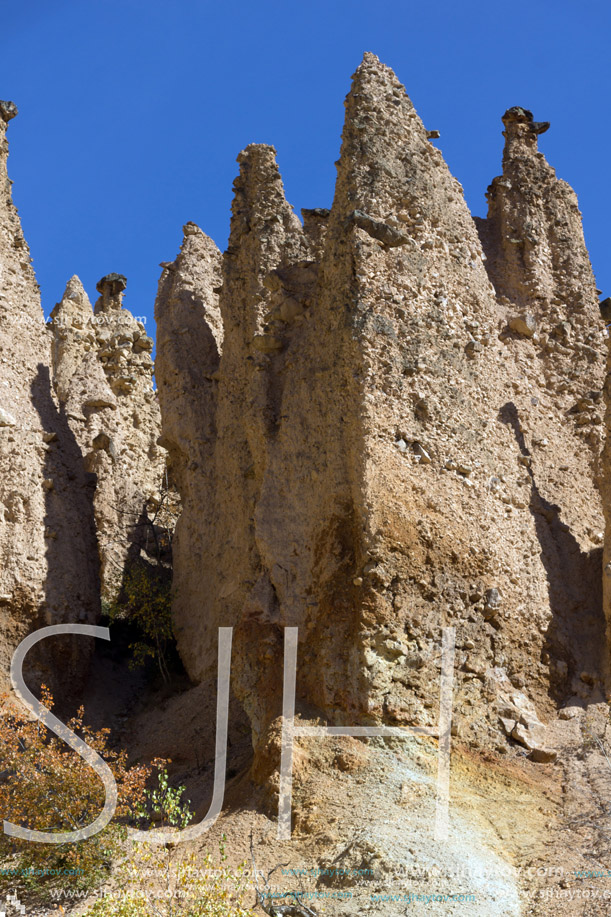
(388, 450)
(606, 496)
(189, 332)
(540, 267)
(48, 568)
(538, 262)
(103, 377)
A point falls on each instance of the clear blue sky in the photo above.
(132, 112)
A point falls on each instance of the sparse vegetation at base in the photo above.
(45, 786)
(163, 882)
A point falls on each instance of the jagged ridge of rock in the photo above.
(48, 568)
(102, 370)
(402, 434)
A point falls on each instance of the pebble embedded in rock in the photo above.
(525, 325)
(543, 755)
(419, 450)
(6, 419)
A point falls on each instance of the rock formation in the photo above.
(48, 569)
(402, 433)
(538, 262)
(79, 423)
(382, 421)
(102, 371)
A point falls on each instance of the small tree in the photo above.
(145, 601)
(164, 804)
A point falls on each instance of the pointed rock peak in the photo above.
(259, 192)
(74, 300)
(199, 255)
(8, 111)
(262, 220)
(387, 163)
(196, 241)
(373, 77)
(258, 170)
(370, 58)
(374, 93)
(258, 152)
(521, 132)
(192, 229)
(75, 292)
(259, 177)
(188, 290)
(111, 288)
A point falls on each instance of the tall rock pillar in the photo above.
(189, 340)
(383, 443)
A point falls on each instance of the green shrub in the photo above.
(164, 804)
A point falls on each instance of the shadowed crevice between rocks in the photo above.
(576, 632)
(71, 547)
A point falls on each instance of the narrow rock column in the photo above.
(539, 263)
(127, 459)
(189, 339)
(537, 250)
(73, 335)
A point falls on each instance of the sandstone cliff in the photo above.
(402, 433)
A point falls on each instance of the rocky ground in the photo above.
(525, 838)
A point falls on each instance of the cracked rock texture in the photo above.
(398, 432)
(102, 371)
